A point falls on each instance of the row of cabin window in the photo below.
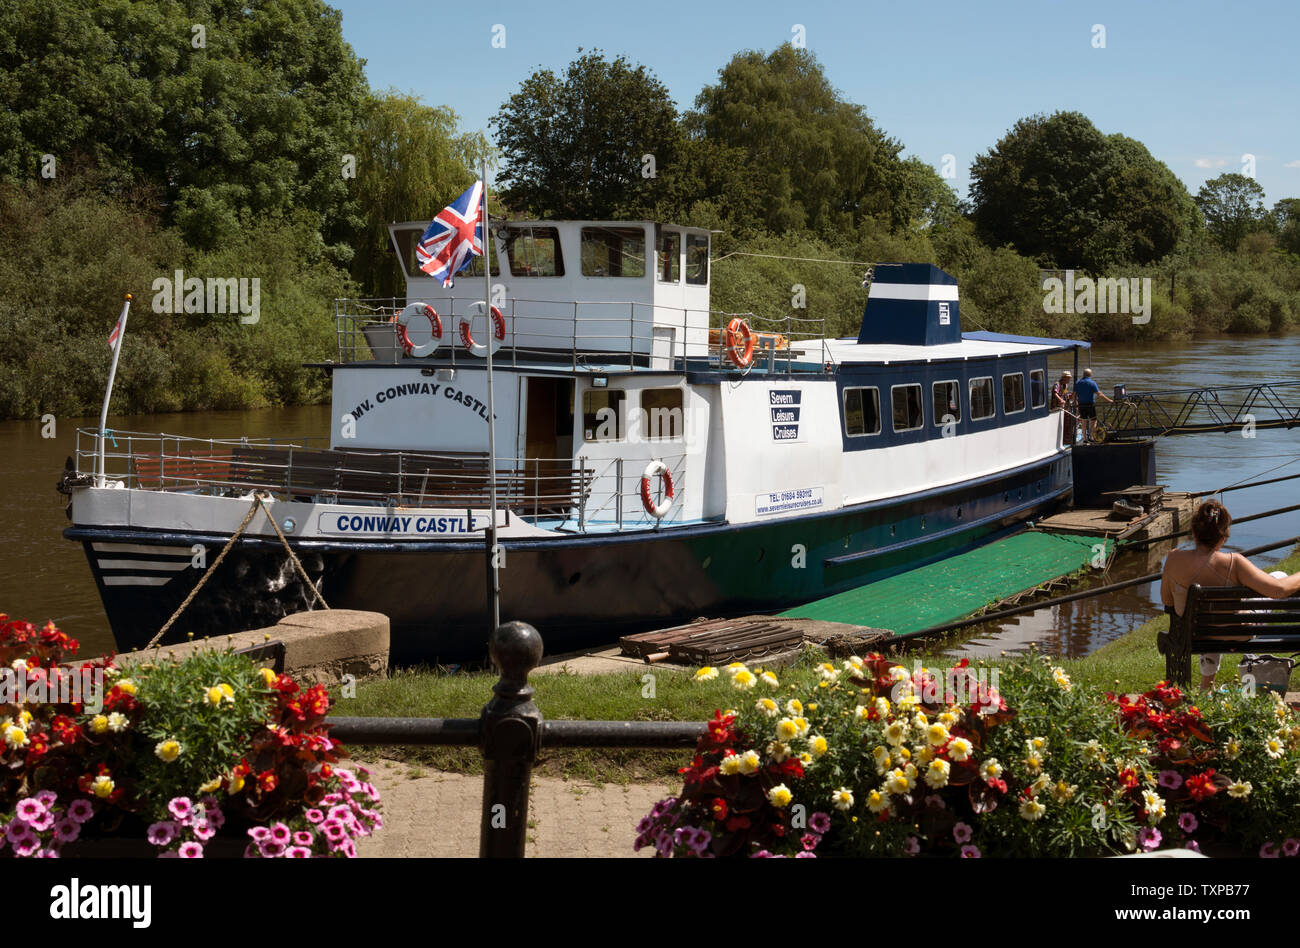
(604, 416)
(605, 252)
(862, 405)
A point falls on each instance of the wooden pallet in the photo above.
(716, 641)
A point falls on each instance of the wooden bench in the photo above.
(1227, 619)
(159, 472)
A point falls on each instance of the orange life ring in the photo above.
(498, 333)
(435, 324)
(657, 469)
(738, 327)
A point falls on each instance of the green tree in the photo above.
(234, 111)
(412, 161)
(1286, 221)
(818, 163)
(592, 144)
(1060, 191)
(1233, 205)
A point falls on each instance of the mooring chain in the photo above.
(248, 517)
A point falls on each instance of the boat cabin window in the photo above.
(661, 413)
(613, 252)
(602, 414)
(669, 261)
(907, 407)
(534, 252)
(947, 403)
(406, 239)
(475, 268)
(1013, 393)
(697, 260)
(1037, 388)
(981, 398)
(861, 412)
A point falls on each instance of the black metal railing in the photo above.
(510, 733)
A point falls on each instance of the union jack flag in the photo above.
(453, 237)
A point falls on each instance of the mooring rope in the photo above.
(248, 517)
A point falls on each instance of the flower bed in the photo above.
(175, 753)
(868, 758)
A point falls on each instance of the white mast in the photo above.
(120, 330)
(494, 581)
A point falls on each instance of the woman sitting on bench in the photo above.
(1208, 565)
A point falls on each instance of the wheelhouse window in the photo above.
(946, 403)
(861, 412)
(697, 259)
(1037, 388)
(613, 252)
(602, 414)
(907, 407)
(475, 268)
(1013, 393)
(668, 260)
(534, 252)
(981, 398)
(661, 413)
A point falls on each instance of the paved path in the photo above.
(437, 814)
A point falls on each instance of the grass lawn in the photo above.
(1127, 664)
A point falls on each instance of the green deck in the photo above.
(957, 586)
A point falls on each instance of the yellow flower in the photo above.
(949, 718)
(1034, 763)
(99, 724)
(227, 691)
(882, 707)
(805, 758)
(990, 770)
(802, 724)
(818, 745)
(236, 784)
(214, 695)
(959, 749)
(860, 714)
(877, 801)
(1062, 679)
(1240, 790)
(117, 722)
(744, 679)
(167, 751)
(778, 751)
(749, 762)
(707, 673)
(904, 753)
(924, 754)
(812, 706)
(897, 782)
(730, 765)
(767, 706)
(127, 685)
(1274, 747)
(212, 786)
(842, 799)
(920, 722)
(937, 735)
(896, 733)
(269, 676)
(1031, 809)
(1063, 792)
(15, 736)
(102, 786)
(733, 668)
(1041, 784)
(937, 775)
(1232, 750)
(787, 729)
(770, 680)
(780, 796)
(794, 707)
(1037, 743)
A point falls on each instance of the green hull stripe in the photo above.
(957, 586)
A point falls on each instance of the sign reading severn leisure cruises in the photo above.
(784, 406)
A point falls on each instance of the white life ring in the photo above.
(657, 469)
(495, 337)
(435, 326)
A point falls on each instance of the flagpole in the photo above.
(494, 580)
(108, 392)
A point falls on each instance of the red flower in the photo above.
(737, 822)
(1201, 785)
(1128, 778)
(267, 780)
(719, 808)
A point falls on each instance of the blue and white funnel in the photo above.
(911, 304)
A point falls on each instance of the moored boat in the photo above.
(656, 460)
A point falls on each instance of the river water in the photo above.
(43, 576)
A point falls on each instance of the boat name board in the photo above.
(386, 525)
(785, 413)
(392, 392)
(782, 501)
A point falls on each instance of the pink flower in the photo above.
(203, 831)
(191, 851)
(333, 830)
(161, 833)
(80, 811)
(46, 797)
(961, 833)
(911, 846)
(297, 852)
(314, 816)
(1170, 779)
(1187, 822)
(303, 838)
(181, 808)
(281, 833)
(970, 852)
(1149, 838)
(1193, 845)
(1291, 847)
(260, 834)
(1268, 851)
(270, 848)
(66, 830)
(29, 809)
(42, 822)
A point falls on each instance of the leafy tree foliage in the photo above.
(575, 146)
(1233, 205)
(1286, 221)
(1060, 191)
(247, 116)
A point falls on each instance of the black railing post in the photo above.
(511, 730)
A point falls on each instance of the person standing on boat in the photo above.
(1085, 393)
(1208, 565)
(1063, 400)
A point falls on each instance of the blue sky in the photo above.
(1200, 84)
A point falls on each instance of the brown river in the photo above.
(43, 576)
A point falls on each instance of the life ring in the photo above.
(657, 469)
(494, 339)
(738, 327)
(435, 324)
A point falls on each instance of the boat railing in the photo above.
(594, 334)
(622, 504)
(302, 471)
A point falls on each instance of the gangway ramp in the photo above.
(960, 585)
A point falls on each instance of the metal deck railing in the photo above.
(583, 334)
(1195, 410)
